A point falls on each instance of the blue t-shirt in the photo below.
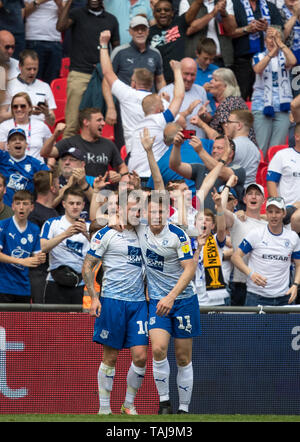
(14, 278)
(18, 173)
(188, 155)
(203, 77)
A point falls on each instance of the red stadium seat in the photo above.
(273, 149)
(108, 132)
(261, 165)
(123, 152)
(59, 90)
(65, 67)
(249, 104)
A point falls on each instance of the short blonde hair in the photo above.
(227, 76)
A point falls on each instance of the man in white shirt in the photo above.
(254, 199)
(66, 240)
(42, 36)
(155, 120)
(247, 154)
(272, 251)
(283, 177)
(193, 93)
(129, 97)
(7, 47)
(40, 92)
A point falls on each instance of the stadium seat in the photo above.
(108, 132)
(273, 149)
(123, 152)
(65, 67)
(249, 104)
(261, 166)
(59, 90)
(263, 175)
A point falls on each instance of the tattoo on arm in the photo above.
(88, 273)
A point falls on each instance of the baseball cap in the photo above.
(258, 186)
(139, 20)
(231, 191)
(74, 152)
(16, 130)
(277, 201)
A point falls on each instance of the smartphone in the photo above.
(41, 102)
(188, 134)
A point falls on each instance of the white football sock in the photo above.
(161, 374)
(135, 377)
(105, 384)
(185, 385)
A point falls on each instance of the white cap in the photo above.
(139, 20)
(258, 186)
(276, 201)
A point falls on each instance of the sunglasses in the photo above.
(17, 106)
(9, 47)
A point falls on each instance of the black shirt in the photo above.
(149, 59)
(41, 214)
(98, 155)
(241, 45)
(85, 32)
(170, 42)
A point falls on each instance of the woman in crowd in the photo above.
(272, 92)
(225, 89)
(37, 132)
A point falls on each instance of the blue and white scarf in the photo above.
(296, 30)
(254, 39)
(284, 86)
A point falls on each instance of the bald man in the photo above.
(7, 47)
(193, 92)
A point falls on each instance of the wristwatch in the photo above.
(222, 161)
(296, 284)
(103, 47)
(36, 4)
(245, 30)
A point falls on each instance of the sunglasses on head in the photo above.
(275, 198)
(17, 106)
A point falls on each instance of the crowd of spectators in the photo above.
(212, 82)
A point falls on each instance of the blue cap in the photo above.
(231, 191)
(16, 130)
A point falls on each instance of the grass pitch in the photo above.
(148, 418)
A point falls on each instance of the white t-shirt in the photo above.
(37, 91)
(41, 23)
(270, 255)
(238, 231)
(284, 169)
(208, 297)
(156, 124)
(37, 132)
(196, 92)
(247, 156)
(13, 69)
(121, 257)
(162, 254)
(71, 251)
(131, 108)
(211, 32)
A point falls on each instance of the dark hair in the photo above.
(22, 195)
(206, 45)
(75, 191)
(27, 53)
(43, 180)
(86, 113)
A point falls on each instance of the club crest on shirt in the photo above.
(104, 334)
